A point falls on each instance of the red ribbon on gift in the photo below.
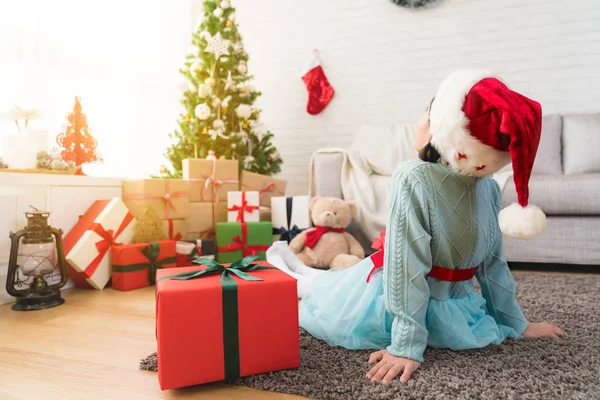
(178, 236)
(242, 209)
(266, 188)
(167, 197)
(240, 244)
(108, 239)
(377, 258)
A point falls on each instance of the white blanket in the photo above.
(367, 168)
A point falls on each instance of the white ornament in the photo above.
(237, 47)
(224, 4)
(211, 155)
(242, 68)
(231, 17)
(243, 111)
(202, 111)
(218, 12)
(250, 88)
(248, 161)
(233, 145)
(218, 124)
(217, 45)
(228, 81)
(204, 90)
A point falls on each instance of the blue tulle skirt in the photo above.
(344, 310)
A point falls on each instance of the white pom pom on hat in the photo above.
(479, 125)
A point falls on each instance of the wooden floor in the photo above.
(90, 348)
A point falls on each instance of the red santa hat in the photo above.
(479, 125)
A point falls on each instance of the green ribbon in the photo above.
(151, 252)
(230, 303)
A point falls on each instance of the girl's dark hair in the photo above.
(429, 154)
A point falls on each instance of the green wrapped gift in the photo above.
(236, 240)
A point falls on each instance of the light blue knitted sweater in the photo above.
(439, 217)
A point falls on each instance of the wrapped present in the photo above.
(189, 250)
(240, 239)
(87, 245)
(224, 322)
(266, 186)
(134, 265)
(290, 216)
(168, 197)
(202, 219)
(243, 207)
(210, 180)
(265, 213)
(175, 229)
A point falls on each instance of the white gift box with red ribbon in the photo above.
(88, 244)
(243, 207)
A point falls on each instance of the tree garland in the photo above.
(413, 3)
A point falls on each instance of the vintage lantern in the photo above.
(35, 252)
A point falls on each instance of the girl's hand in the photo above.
(542, 330)
(389, 366)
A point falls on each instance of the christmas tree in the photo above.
(218, 101)
(76, 143)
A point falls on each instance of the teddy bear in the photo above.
(327, 244)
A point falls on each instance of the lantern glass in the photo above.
(37, 258)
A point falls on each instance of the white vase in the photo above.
(20, 150)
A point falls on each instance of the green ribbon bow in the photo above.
(151, 252)
(231, 351)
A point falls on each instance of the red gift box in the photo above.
(219, 325)
(134, 265)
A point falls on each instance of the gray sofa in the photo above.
(565, 184)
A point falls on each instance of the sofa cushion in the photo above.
(581, 143)
(560, 194)
(548, 160)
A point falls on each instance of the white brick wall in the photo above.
(386, 62)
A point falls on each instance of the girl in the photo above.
(444, 228)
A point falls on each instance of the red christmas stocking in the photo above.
(320, 91)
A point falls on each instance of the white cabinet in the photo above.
(66, 197)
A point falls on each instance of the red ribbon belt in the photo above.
(178, 236)
(244, 208)
(437, 272)
(377, 258)
(240, 244)
(167, 197)
(108, 239)
(313, 236)
(452, 275)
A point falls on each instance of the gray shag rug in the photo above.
(517, 369)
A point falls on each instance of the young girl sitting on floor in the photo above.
(444, 228)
